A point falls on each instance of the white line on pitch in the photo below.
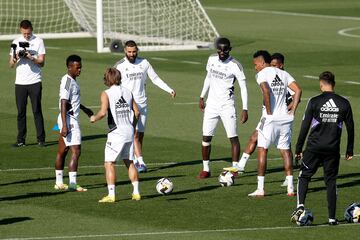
(148, 164)
(85, 50)
(311, 77)
(344, 32)
(186, 103)
(160, 59)
(283, 13)
(352, 82)
(190, 62)
(180, 232)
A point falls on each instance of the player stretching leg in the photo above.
(122, 120)
(68, 121)
(222, 71)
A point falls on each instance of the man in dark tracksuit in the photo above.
(324, 115)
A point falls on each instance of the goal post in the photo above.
(154, 24)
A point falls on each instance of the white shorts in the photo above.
(277, 132)
(141, 124)
(116, 148)
(74, 135)
(227, 116)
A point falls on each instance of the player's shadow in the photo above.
(34, 180)
(7, 221)
(175, 193)
(31, 195)
(93, 137)
(127, 182)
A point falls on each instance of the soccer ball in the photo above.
(164, 186)
(352, 213)
(306, 218)
(226, 179)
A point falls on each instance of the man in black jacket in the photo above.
(325, 115)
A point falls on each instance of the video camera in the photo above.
(24, 45)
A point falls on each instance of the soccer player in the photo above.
(276, 121)
(28, 62)
(277, 60)
(123, 113)
(134, 71)
(222, 72)
(324, 116)
(68, 122)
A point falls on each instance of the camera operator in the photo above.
(27, 54)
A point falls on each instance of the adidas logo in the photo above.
(329, 106)
(277, 82)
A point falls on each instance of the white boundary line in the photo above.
(352, 82)
(180, 232)
(191, 62)
(343, 32)
(148, 164)
(57, 108)
(311, 77)
(283, 13)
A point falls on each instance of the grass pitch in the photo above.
(311, 43)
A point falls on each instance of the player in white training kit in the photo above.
(277, 60)
(118, 103)
(222, 72)
(68, 122)
(135, 71)
(276, 120)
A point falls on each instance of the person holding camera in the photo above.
(27, 55)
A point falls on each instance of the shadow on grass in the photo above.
(31, 195)
(45, 179)
(7, 221)
(201, 189)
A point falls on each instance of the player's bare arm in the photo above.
(63, 110)
(244, 116)
(266, 96)
(136, 113)
(86, 110)
(103, 108)
(202, 104)
(296, 97)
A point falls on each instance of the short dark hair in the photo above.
(279, 57)
(72, 58)
(130, 43)
(328, 77)
(26, 24)
(222, 41)
(112, 76)
(264, 54)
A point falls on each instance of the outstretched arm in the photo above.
(103, 108)
(158, 82)
(86, 110)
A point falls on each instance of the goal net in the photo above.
(153, 24)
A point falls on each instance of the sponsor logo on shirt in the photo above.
(330, 109)
(329, 106)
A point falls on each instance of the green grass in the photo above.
(29, 208)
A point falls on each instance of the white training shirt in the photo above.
(28, 72)
(70, 90)
(220, 80)
(278, 81)
(134, 76)
(120, 114)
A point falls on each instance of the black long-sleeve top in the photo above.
(325, 115)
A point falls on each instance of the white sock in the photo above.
(290, 181)
(140, 160)
(111, 190)
(243, 160)
(59, 177)
(72, 177)
(135, 187)
(300, 205)
(235, 164)
(206, 166)
(261, 180)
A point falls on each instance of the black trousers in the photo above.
(310, 163)
(22, 92)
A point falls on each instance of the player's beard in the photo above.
(224, 56)
(131, 58)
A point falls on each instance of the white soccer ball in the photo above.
(306, 218)
(164, 186)
(226, 179)
(352, 213)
